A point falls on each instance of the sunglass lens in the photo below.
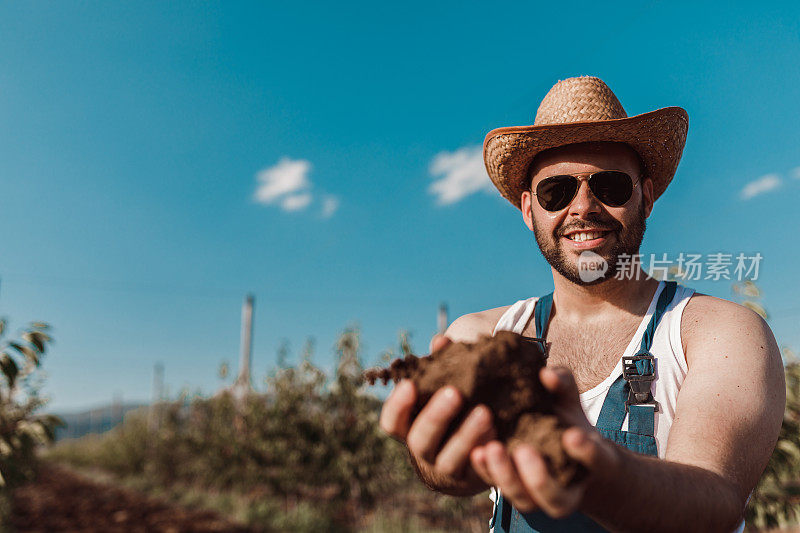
(556, 192)
(611, 187)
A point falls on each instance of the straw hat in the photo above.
(579, 110)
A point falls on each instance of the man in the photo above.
(674, 399)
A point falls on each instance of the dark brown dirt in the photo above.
(501, 372)
(59, 500)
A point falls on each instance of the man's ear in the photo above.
(525, 201)
(647, 196)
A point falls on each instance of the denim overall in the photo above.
(630, 393)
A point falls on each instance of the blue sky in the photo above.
(159, 160)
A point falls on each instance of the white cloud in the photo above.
(295, 202)
(288, 186)
(796, 173)
(462, 173)
(761, 185)
(329, 206)
(287, 177)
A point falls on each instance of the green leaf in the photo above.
(758, 308)
(53, 421)
(9, 367)
(27, 352)
(750, 290)
(37, 338)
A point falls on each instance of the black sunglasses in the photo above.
(612, 187)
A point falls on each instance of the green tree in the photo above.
(21, 428)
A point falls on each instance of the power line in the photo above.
(204, 291)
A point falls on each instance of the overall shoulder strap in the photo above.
(542, 314)
(631, 391)
(664, 299)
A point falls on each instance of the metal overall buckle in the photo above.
(539, 342)
(639, 383)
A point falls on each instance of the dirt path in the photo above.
(60, 500)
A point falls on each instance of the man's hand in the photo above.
(522, 475)
(443, 466)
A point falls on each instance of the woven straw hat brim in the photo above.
(658, 136)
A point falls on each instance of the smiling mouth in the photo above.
(583, 236)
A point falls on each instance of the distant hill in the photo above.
(98, 420)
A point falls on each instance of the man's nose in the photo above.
(584, 202)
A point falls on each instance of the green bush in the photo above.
(310, 443)
(21, 429)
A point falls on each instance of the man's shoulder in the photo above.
(707, 320)
(470, 327)
(703, 310)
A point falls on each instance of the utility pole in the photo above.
(158, 383)
(158, 396)
(242, 385)
(116, 410)
(442, 318)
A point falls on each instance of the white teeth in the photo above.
(585, 236)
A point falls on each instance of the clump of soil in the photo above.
(501, 372)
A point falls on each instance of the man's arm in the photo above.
(727, 421)
(443, 466)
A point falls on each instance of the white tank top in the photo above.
(667, 348)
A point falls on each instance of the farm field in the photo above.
(62, 500)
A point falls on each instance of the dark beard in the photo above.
(625, 243)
